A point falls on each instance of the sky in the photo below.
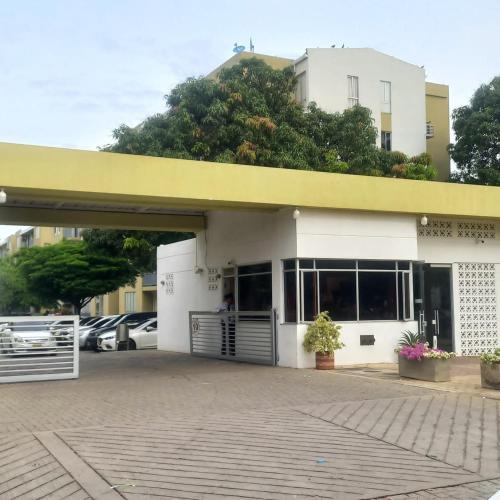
(72, 71)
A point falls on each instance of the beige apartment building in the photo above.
(141, 297)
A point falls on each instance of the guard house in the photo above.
(392, 255)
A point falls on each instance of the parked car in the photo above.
(27, 338)
(130, 318)
(142, 336)
(85, 331)
(89, 320)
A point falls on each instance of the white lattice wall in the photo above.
(477, 315)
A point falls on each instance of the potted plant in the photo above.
(323, 338)
(490, 370)
(417, 360)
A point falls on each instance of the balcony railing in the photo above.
(149, 279)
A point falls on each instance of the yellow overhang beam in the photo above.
(103, 220)
(52, 173)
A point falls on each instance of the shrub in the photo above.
(491, 357)
(323, 335)
(411, 338)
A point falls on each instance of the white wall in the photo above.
(190, 293)
(386, 333)
(327, 85)
(356, 235)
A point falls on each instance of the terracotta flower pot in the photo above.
(325, 361)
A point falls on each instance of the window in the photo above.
(377, 295)
(350, 290)
(57, 231)
(290, 290)
(337, 293)
(386, 141)
(386, 97)
(352, 91)
(99, 305)
(37, 232)
(300, 91)
(129, 302)
(429, 130)
(255, 287)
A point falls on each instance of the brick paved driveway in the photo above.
(149, 424)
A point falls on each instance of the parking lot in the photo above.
(152, 424)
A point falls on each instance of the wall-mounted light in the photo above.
(296, 214)
(3, 196)
(424, 220)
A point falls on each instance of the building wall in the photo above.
(473, 250)
(327, 86)
(438, 114)
(236, 238)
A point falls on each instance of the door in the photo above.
(438, 312)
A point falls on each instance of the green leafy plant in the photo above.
(323, 335)
(491, 357)
(409, 338)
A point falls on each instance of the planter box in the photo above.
(433, 370)
(490, 375)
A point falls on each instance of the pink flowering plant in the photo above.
(413, 346)
(423, 351)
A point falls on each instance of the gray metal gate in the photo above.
(38, 348)
(248, 336)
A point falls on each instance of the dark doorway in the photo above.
(437, 305)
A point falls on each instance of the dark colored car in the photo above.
(129, 319)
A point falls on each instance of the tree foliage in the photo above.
(250, 116)
(71, 272)
(14, 296)
(137, 247)
(476, 151)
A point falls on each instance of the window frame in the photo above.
(406, 273)
(352, 100)
(386, 104)
(236, 275)
(386, 136)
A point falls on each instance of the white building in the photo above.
(393, 90)
(378, 274)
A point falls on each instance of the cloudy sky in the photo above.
(72, 71)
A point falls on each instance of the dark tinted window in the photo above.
(310, 296)
(255, 268)
(376, 264)
(335, 264)
(255, 292)
(337, 294)
(289, 264)
(290, 289)
(377, 296)
(306, 264)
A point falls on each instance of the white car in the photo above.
(143, 336)
(85, 330)
(27, 338)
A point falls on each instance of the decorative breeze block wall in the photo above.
(478, 322)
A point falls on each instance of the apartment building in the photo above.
(134, 298)
(410, 114)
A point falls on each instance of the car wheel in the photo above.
(131, 345)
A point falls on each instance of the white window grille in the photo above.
(352, 91)
(386, 97)
(436, 229)
(477, 230)
(429, 130)
(129, 302)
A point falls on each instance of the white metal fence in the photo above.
(38, 348)
(248, 336)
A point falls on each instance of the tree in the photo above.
(14, 296)
(249, 115)
(476, 151)
(71, 272)
(137, 247)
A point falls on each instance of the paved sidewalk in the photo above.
(149, 424)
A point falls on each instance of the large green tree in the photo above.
(137, 247)
(476, 151)
(72, 272)
(249, 115)
(14, 295)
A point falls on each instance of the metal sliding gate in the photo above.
(248, 336)
(38, 348)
